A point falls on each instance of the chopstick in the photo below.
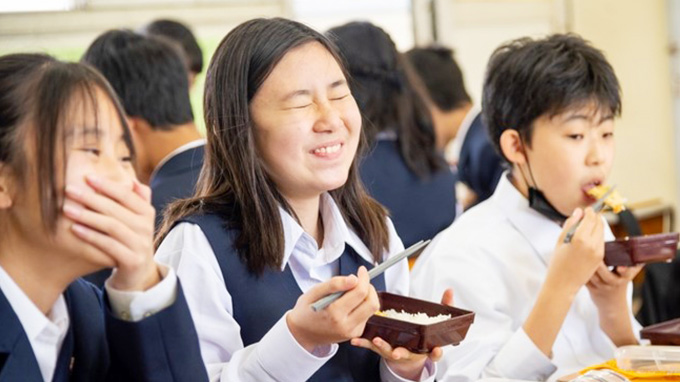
(597, 207)
(322, 303)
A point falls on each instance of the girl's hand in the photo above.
(117, 222)
(345, 318)
(400, 360)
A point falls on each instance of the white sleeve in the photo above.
(136, 305)
(495, 345)
(277, 357)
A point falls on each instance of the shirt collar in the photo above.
(336, 234)
(33, 321)
(453, 148)
(541, 232)
(175, 152)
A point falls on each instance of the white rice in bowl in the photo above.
(416, 318)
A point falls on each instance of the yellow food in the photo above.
(614, 201)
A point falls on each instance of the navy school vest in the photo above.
(259, 302)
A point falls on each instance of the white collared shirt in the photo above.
(46, 333)
(452, 149)
(495, 257)
(277, 356)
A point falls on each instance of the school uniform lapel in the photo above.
(84, 356)
(17, 361)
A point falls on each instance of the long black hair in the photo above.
(389, 94)
(233, 180)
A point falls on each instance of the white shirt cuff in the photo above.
(137, 305)
(279, 350)
(427, 375)
(519, 358)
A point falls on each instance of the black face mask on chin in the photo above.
(539, 203)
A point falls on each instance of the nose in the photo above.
(596, 153)
(328, 119)
(111, 168)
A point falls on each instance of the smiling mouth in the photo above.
(328, 149)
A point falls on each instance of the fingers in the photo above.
(104, 244)
(354, 297)
(385, 350)
(367, 308)
(570, 222)
(436, 354)
(115, 193)
(629, 273)
(604, 278)
(100, 223)
(142, 190)
(447, 297)
(335, 284)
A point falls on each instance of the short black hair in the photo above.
(441, 75)
(147, 73)
(526, 79)
(181, 34)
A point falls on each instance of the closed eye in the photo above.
(576, 137)
(301, 106)
(340, 98)
(608, 135)
(90, 150)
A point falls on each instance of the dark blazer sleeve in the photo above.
(162, 347)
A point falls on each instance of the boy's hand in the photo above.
(117, 221)
(574, 263)
(608, 289)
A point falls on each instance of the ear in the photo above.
(7, 181)
(512, 146)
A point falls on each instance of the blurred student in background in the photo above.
(403, 169)
(182, 35)
(461, 133)
(149, 76)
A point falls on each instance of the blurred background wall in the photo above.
(640, 38)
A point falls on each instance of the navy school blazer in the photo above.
(479, 165)
(176, 179)
(419, 208)
(100, 347)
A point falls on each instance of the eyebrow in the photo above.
(588, 117)
(85, 132)
(306, 92)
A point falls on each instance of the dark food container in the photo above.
(664, 333)
(416, 337)
(641, 249)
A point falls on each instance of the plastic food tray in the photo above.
(641, 249)
(418, 338)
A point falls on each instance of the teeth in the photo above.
(328, 149)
